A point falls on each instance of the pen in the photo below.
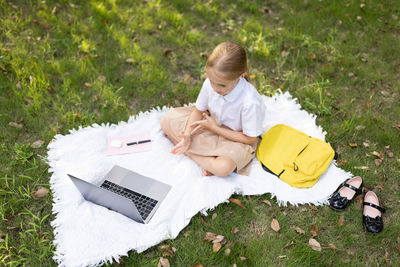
(138, 142)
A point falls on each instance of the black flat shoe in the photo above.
(340, 199)
(372, 213)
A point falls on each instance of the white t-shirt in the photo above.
(242, 109)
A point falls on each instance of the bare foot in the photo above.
(207, 173)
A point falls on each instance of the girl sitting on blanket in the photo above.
(220, 132)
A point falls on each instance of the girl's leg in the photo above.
(219, 166)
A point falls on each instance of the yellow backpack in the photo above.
(293, 156)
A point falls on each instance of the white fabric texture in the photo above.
(242, 109)
(87, 234)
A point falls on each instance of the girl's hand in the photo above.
(183, 145)
(207, 123)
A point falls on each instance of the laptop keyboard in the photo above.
(143, 204)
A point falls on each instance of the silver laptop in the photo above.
(127, 192)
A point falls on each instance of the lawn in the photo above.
(69, 63)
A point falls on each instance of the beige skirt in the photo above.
(208, 143)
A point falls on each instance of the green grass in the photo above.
(64, 64)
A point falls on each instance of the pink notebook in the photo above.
(128, 144)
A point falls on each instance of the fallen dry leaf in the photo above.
(360, 127)
(386, 256)
(163, 247)
(243, 258)
(88, 84)
(15, 124)
(353, 144)
(365, 144)
(13, 228)
(361, 167)
(314, 230)
(267, 202)
(187, 78)
(237, 202)
(341, 220)
(214, 216)
(383, 176)
(314, 244)
(313, 233)
(350, 251)
(332, 246)
(275, 225)
(209, 236)
(312, 56)
(385, 93)
(235, 230)
(284, 53)
(203, 54)
(163, 262)
(227, 251)
(41, 192)
(378, 162)
(186, 234)
(390, 154)
(203, 221)
(167, 253)
(219, 239)
(129, 60)
(291, 243)
(300, 231)
(37, 144)
(198, 265)
(379, 155)
(314, 208)
(216, 247)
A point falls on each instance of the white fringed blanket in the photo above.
(87, 234)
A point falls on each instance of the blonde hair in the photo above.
(229, 60)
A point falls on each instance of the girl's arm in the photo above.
(234, 135)
(183, 145)
(196, 115)
(210, 124)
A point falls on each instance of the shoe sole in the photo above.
(337, 209)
